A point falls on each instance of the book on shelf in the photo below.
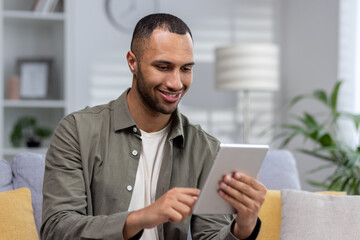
(45, 6)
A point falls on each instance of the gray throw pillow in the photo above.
(5, 176)
(279, 171)
(306, 215)
(28, 170)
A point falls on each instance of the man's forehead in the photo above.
(162, 39)
(167, 33)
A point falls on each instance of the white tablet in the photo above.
(246, 158)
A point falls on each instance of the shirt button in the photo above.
(134, 153)
(129, 188)
(134, 129)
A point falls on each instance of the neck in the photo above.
(145, 118)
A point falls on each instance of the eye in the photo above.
(162, 67)
(187, 69)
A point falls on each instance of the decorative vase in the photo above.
(13, 88)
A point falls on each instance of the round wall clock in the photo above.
(124, 14)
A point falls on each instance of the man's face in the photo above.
(164, 72)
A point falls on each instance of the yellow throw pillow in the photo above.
(332, 193)
(16, 215)
(270, 215)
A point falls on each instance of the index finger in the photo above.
(188, 191)
(251, 181)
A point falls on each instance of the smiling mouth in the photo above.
(171, 95)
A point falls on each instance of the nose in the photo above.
(174, 82)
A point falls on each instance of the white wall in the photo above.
(96, 40)
(308, 35)
(93, 36)
(101, 72)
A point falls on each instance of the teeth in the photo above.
(170, 95)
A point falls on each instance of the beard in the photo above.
(152, 103)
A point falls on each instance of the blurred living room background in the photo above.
(58, 56)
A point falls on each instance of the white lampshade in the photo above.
(247, 66)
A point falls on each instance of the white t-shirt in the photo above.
(148, 173)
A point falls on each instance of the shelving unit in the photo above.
(25, 34)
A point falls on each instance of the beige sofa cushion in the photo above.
(307, 215)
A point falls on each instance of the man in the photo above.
(132, 168)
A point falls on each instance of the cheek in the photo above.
(186, 79)
(152, 75)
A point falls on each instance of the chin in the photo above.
(167, 111)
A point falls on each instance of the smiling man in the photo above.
(132, 168)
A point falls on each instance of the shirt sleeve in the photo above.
(218, 227)
(66, 207)
(256, 230)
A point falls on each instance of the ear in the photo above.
(132, 61)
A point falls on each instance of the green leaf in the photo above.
(354, 117)
(43, 132)
(287, 140)
(321, 96)
(317, 155)
(326, 140)
(16, 136)
(295, 128)
(321, 168)
(353, 186)
(304, 121)
(296, 100)
(344, 186)
(334, 96)
(311, 120)
(356, 187)
(317, 184)
(314, 135)
(337, 181)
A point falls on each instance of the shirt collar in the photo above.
(177, 129)
(122, 115)
(123, 119)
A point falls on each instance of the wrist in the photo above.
(247, 233)
(132, 225)
(242, 233)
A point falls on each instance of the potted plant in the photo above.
(323, 131)
(26, 130)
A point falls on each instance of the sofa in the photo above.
(24, 172)
(24, 175)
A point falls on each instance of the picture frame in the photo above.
(34, 77)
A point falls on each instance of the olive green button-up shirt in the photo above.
(91, 167)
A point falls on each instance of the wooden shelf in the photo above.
(12, 14)
(34, 104)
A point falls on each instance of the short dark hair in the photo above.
(145, 27)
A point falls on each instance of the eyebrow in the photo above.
(168, 62)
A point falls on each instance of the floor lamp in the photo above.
(247, 67)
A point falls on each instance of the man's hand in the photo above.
(246, 195)
(174, 206)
